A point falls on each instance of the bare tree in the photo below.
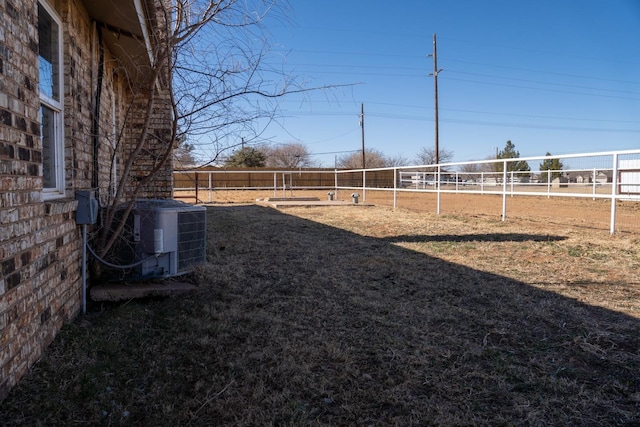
(183, 155)
(490, 166)
(471, 171)
(427, 156)
(398, 160)
(373, 159)
(291, 155)
(224, 79)
(211, 70)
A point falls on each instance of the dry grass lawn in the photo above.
(362, 316)
(565, 211)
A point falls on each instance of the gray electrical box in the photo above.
(87, 212)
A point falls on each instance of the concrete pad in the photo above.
(127, 291)
(293, 199)
(291, 202)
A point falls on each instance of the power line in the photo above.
(458, 110)
(546, 52)
(543, 89)
(535, 116)
(542, 82)
(448, 59)
(484, 45)
(547, 83)
(361, 73)
(334, 152)
(378, 67)
(508, 67)
(352, 53)
(420, 70)
(501, 123)
(549, 127)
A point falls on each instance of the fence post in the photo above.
(395, 188)
(197, 199)
(284, 185)
(210, 187)
(335, 182)
(512, 175)
(594, 182)
(364, 185)
(275, 184)
(438, 190)
(614, 192)
(504, 190)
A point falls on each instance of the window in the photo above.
(50, 78)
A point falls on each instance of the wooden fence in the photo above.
(260, 178)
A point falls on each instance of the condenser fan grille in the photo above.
(191, 242)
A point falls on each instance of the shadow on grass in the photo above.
(299, 323)
(490, 237)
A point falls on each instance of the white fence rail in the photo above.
(608, 175)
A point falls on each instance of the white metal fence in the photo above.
(614, 176)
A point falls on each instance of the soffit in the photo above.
(122, 32)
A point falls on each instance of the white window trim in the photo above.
(58, 107)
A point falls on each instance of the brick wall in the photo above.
(27, 238)
(40, 243)
(155, 146)
(78, 95)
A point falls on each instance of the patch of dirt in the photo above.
(563, 212)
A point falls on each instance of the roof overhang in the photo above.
(125, 31)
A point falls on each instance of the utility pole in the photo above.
(362, 126)
(435, 92)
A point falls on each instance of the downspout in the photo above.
(95, 126)
(95, 129)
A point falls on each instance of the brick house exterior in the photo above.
(71, 85)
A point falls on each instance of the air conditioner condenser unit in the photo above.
(166, 238)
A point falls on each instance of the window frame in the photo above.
(57, 107)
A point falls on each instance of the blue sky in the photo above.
(561, 76)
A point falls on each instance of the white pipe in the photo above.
(504, 191)
(438, 177)
(614, 192)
